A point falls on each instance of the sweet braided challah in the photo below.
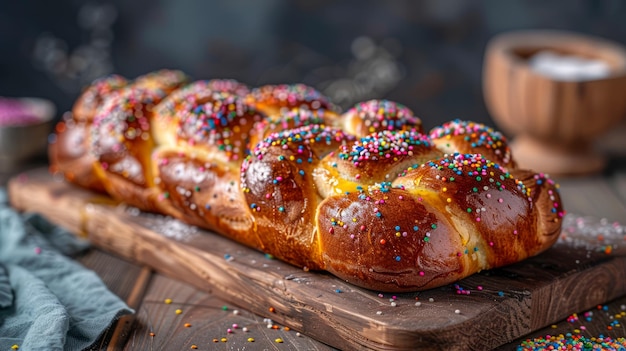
(365, 195)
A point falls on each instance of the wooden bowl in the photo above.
(553, 122)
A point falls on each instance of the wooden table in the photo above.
(174, 315)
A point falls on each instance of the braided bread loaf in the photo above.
(365, 195)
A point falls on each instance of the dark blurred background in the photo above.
(425, 54)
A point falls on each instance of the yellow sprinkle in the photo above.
(279, 340)
(398, 234)
(168, 301)
(250, 339)
(15, 347)
(224, 339)
(554, 326)
(449, 200)
(179, 311)
(194, 347)
(291, 158)
(444, 189)
(577, 331)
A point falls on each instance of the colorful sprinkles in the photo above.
(298, 139)
(379, 115)
(475, 136)
(220, 120)
(384, 145)
(123, 119)
(478, 167)
(289, 95)
(93, 96)
(294, 118)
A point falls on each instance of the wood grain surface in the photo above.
(503, 305)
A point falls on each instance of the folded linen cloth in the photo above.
(47, 300)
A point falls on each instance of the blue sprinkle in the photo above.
(397, 227)
(338, 291)
(398, 258)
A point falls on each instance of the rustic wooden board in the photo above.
(512, 301)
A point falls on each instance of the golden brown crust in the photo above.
(69, 155)
(484, 199)
(162, 82)
(438, 223)
(93, 96)
(389, 211)
(277, 99)
(206, 120)
(379, 115)
(278, 186)
(69, 150)
(291, 119)
(121, 142)
(374, 159)
(389, 241)
(469, 137)
(205, 193)
(544, 197)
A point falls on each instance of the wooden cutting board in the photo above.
(502, 304)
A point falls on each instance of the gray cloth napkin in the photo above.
(47, 300)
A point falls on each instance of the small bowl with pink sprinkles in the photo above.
(25, 124)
